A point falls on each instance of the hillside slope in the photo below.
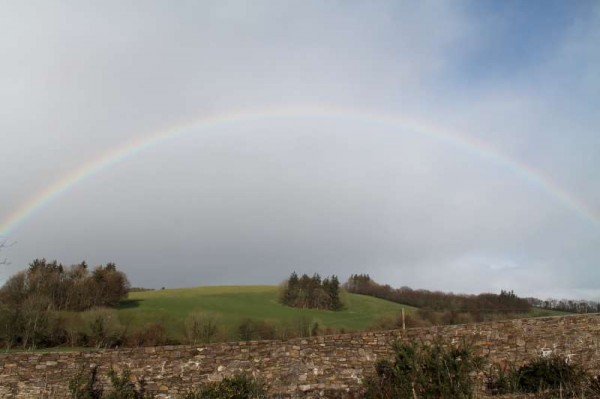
(233, 304)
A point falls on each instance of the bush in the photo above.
(594, 386)
(85, 385)
(299, 327)
(103, 328)
(424, 371)
(75, 329)
(552, 373)
(239, 386)
(250, 330)
(265, 330)
(246, 330)
(123, 387)
(201, 327)
(152, 334)
(503, 380)
(411, 320)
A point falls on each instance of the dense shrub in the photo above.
(152, 334)
(85, 384)
(543, 374)
(249, 330)
(102, 328)
(424, 371)
(549, 373)
(240, 386)
(123, 387)
(594, 386)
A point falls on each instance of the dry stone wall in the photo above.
(314, 367)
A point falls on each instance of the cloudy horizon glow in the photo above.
(511, 201)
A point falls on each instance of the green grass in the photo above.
(233, 304)
(539, 312)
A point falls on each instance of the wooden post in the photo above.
(403, 322)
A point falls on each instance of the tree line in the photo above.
(56, 287)
(311, 292)
(31, 299)
(50, 305)
(566, 305)
(505, 302)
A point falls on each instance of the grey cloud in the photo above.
(249, 203)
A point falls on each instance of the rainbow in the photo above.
(131, 148)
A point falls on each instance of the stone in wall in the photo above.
(334, 366)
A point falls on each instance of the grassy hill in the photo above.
(233, 304)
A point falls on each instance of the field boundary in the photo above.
(302, 367)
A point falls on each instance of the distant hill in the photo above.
(233, 304)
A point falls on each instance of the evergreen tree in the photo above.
(311, 292)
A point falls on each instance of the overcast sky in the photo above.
(248, 202)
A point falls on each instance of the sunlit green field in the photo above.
(233, 304)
